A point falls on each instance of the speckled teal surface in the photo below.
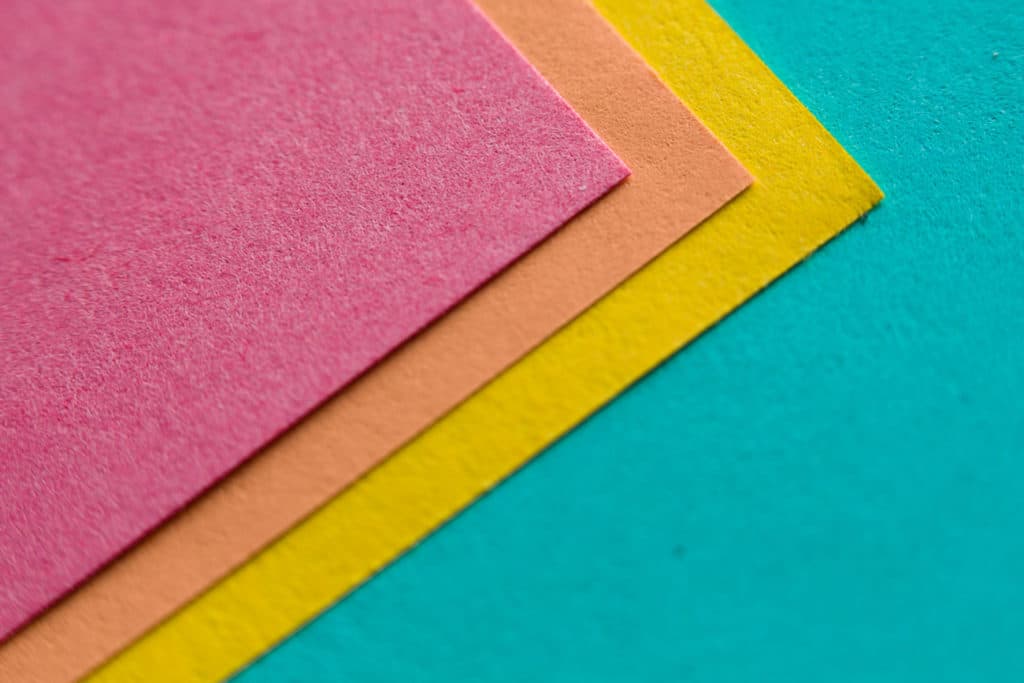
(829, 486)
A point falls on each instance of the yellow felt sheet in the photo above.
(808, 189)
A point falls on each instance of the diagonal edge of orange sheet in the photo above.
(681, 174)
(809, 189)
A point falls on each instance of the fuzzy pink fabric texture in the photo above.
(220, 209)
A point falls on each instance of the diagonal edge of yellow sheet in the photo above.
(808, 190)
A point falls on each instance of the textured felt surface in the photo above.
(680, 174)
(216, 214)
(825, 487)
(807, 190)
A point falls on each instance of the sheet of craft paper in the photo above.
(214, 215)
(681, 174)
(808, 190)
(751, 510)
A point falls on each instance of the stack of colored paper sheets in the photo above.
(286, 284)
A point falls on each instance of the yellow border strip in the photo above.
(808, 190)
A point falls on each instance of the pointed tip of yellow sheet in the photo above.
(808, 190)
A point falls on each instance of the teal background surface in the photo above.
(829, 485)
